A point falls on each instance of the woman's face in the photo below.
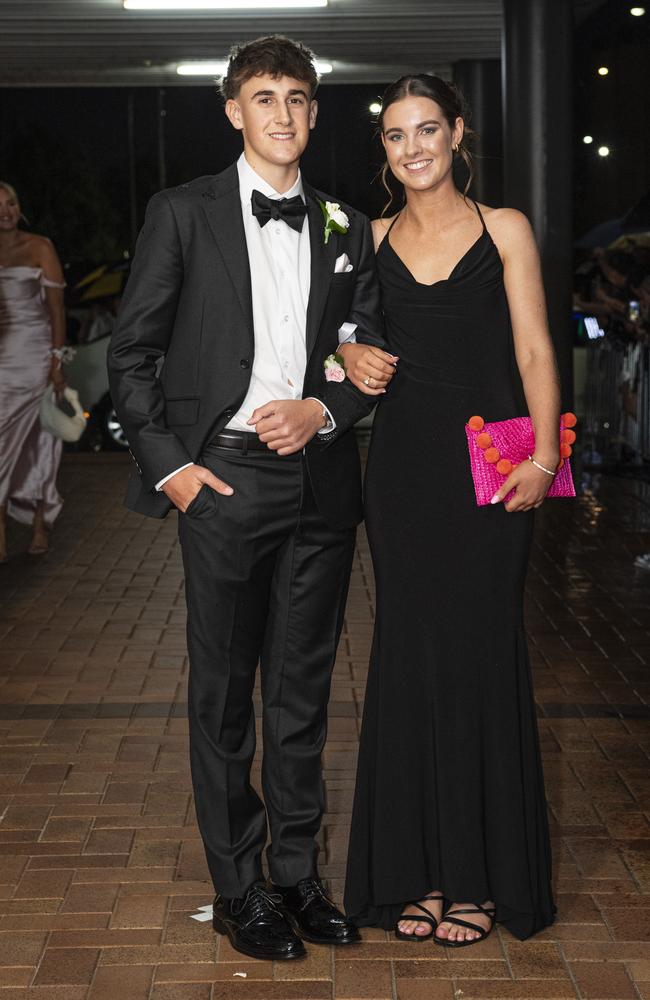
(9, 211)
(419, 142)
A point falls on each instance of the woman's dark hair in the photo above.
(619, 261)
(451, 102)
(274, 54)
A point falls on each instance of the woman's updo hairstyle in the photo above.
(450, 100)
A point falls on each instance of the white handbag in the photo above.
(55, 421)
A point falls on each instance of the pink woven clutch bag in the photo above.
(496, 448)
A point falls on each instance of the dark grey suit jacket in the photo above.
(181, 356)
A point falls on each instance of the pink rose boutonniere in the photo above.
(334, 368)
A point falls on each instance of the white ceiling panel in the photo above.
(97, 42)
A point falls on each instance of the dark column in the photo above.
(537, 47)
(480, 82)
(130, 142)
(162, 156)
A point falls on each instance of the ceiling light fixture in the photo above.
(587, 139)
(637, 11)
(603, 150)
(603, 71)
(375, 108)
(220, 4)
(212, 68)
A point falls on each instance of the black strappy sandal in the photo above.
(451, 918)
(426, 918)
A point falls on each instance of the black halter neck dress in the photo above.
(450, 792)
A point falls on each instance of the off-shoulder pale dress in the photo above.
(29, 456)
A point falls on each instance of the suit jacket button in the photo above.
(244, 363)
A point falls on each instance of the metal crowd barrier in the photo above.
(616, 419)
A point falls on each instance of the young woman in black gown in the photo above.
(449, 827)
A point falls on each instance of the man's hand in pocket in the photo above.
(185, 485)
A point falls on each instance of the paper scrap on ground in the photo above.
(204, 914)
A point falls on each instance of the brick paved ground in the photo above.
(100, 861)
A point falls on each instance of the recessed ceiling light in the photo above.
(603, 71)
(603, 150)
(202, 69)
(212, 68)
(587, 139)
(220, 4)
(375, 108)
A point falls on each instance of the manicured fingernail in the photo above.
(495, 498)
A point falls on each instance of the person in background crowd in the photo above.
(607, 283)
(32, 334)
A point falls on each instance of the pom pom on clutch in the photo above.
(515, 440)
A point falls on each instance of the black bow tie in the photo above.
(290, 210)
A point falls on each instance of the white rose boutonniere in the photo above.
(336, 221)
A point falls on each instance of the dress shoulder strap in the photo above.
(480, 215)
(393, 222)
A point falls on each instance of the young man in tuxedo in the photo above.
(217, 373)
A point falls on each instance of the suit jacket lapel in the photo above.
(323, 258)
(222, 207)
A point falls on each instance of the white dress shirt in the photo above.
(280, 266)
(280, 269)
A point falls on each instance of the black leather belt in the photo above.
(243, 441)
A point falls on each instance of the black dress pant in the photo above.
(266, 581)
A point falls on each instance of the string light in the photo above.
(637, 11)
(603, 150)
(375, 108)
(603, 71)
(587, 139)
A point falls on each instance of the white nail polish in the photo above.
(495, 498)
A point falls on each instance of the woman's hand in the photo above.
(369, 368)
(57, 378)
(530, 483)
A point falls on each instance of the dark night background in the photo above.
(66, 149)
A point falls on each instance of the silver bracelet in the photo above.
(541, 467)
(64, 354)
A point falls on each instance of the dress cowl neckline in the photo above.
(481, 254)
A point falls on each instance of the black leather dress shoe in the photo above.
(256, 926)
(314, 915)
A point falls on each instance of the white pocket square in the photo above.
(342, 264)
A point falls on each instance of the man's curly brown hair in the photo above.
(274, 55)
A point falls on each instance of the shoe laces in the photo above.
(312, 889)
(260, 904)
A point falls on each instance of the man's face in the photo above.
(275, 117)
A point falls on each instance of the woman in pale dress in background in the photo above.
(32, 331)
